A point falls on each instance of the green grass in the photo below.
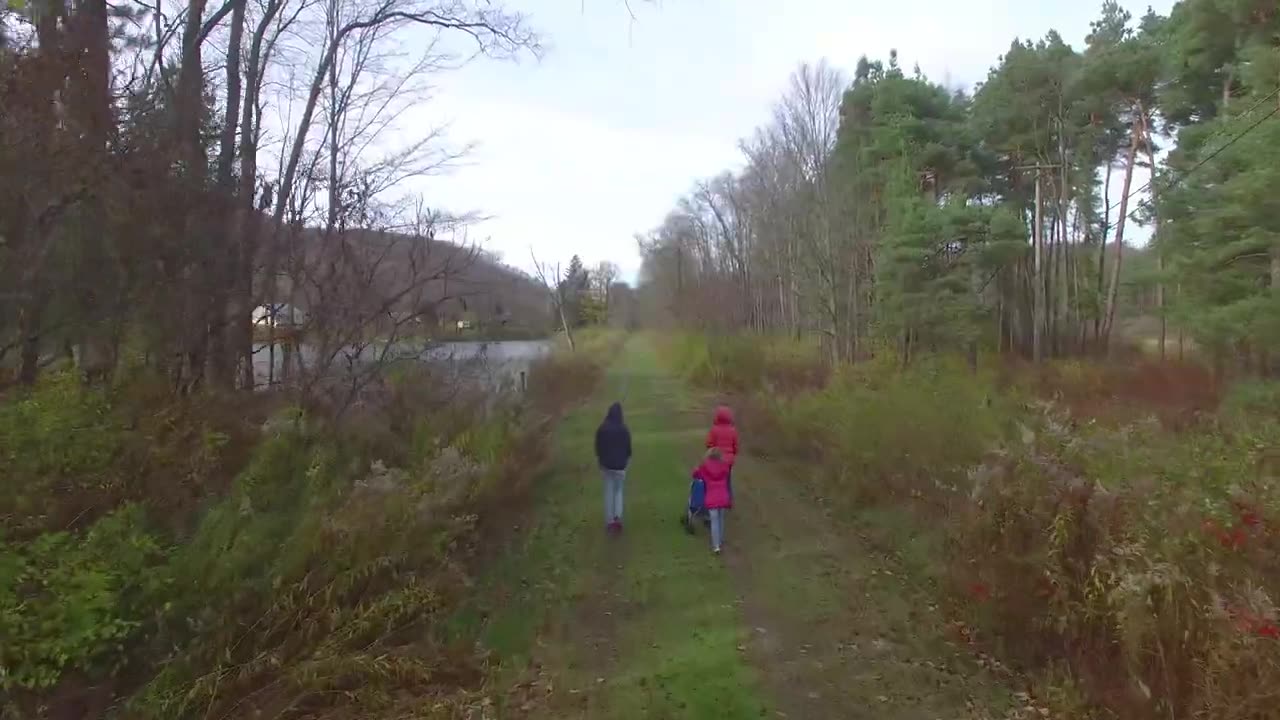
(804, 615)
(642, 625)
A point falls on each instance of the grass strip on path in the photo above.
(643, 625)
(801, 618)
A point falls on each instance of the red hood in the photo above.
(724, 416)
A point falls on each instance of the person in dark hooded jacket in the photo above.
(613, 451)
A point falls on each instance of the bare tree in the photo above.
(552, 279)
(496, 32)
(365, 294)
(767, 247)
(604, 276)
(148, 196)
(808, 121)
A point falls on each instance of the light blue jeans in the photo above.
(613, 482)
(717, 527)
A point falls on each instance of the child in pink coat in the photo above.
(714, 474)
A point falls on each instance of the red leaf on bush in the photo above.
(1044, 587)
(1233, 540)
(1250, 518)
(980, 592)
(1268, 630)
(1242, 620)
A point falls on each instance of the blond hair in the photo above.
(714, 454)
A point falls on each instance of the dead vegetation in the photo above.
(1110, 530)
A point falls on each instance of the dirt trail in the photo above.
(799, 619)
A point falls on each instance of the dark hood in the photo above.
(614, 416)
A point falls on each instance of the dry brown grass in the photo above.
(1109, 534)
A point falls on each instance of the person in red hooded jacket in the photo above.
(714, 474)
(723, 436)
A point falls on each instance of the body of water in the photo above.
(494, 363)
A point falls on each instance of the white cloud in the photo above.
(565, 183)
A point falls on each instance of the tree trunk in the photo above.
(564, 323)
(999, 322)
(1113, 291)
(48, 32)
(231, 114)
(1037, 284)
(1155, 235)
(334, 204)
(1064, 213)
(338, 37)
(975, 290)
(95, 271)
(1080, 334)
(223, 332)
(188, 110)
(284, 193)
(29, 317)
(189, 103)
(1052, 271)
(1102, 254)
(247, 218)
(854, 310)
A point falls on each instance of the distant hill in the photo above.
(359, 273)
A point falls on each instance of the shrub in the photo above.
(566, 377)
(308, 585)
(58, 443)
(1252, 397)
(599, 342)
(73, 454)
(747, 363)
(1145, 559)
(76, 600)
(1177, 393)
(314, 588)
(880, 432)
(1116, 537)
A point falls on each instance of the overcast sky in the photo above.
(580, 151)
